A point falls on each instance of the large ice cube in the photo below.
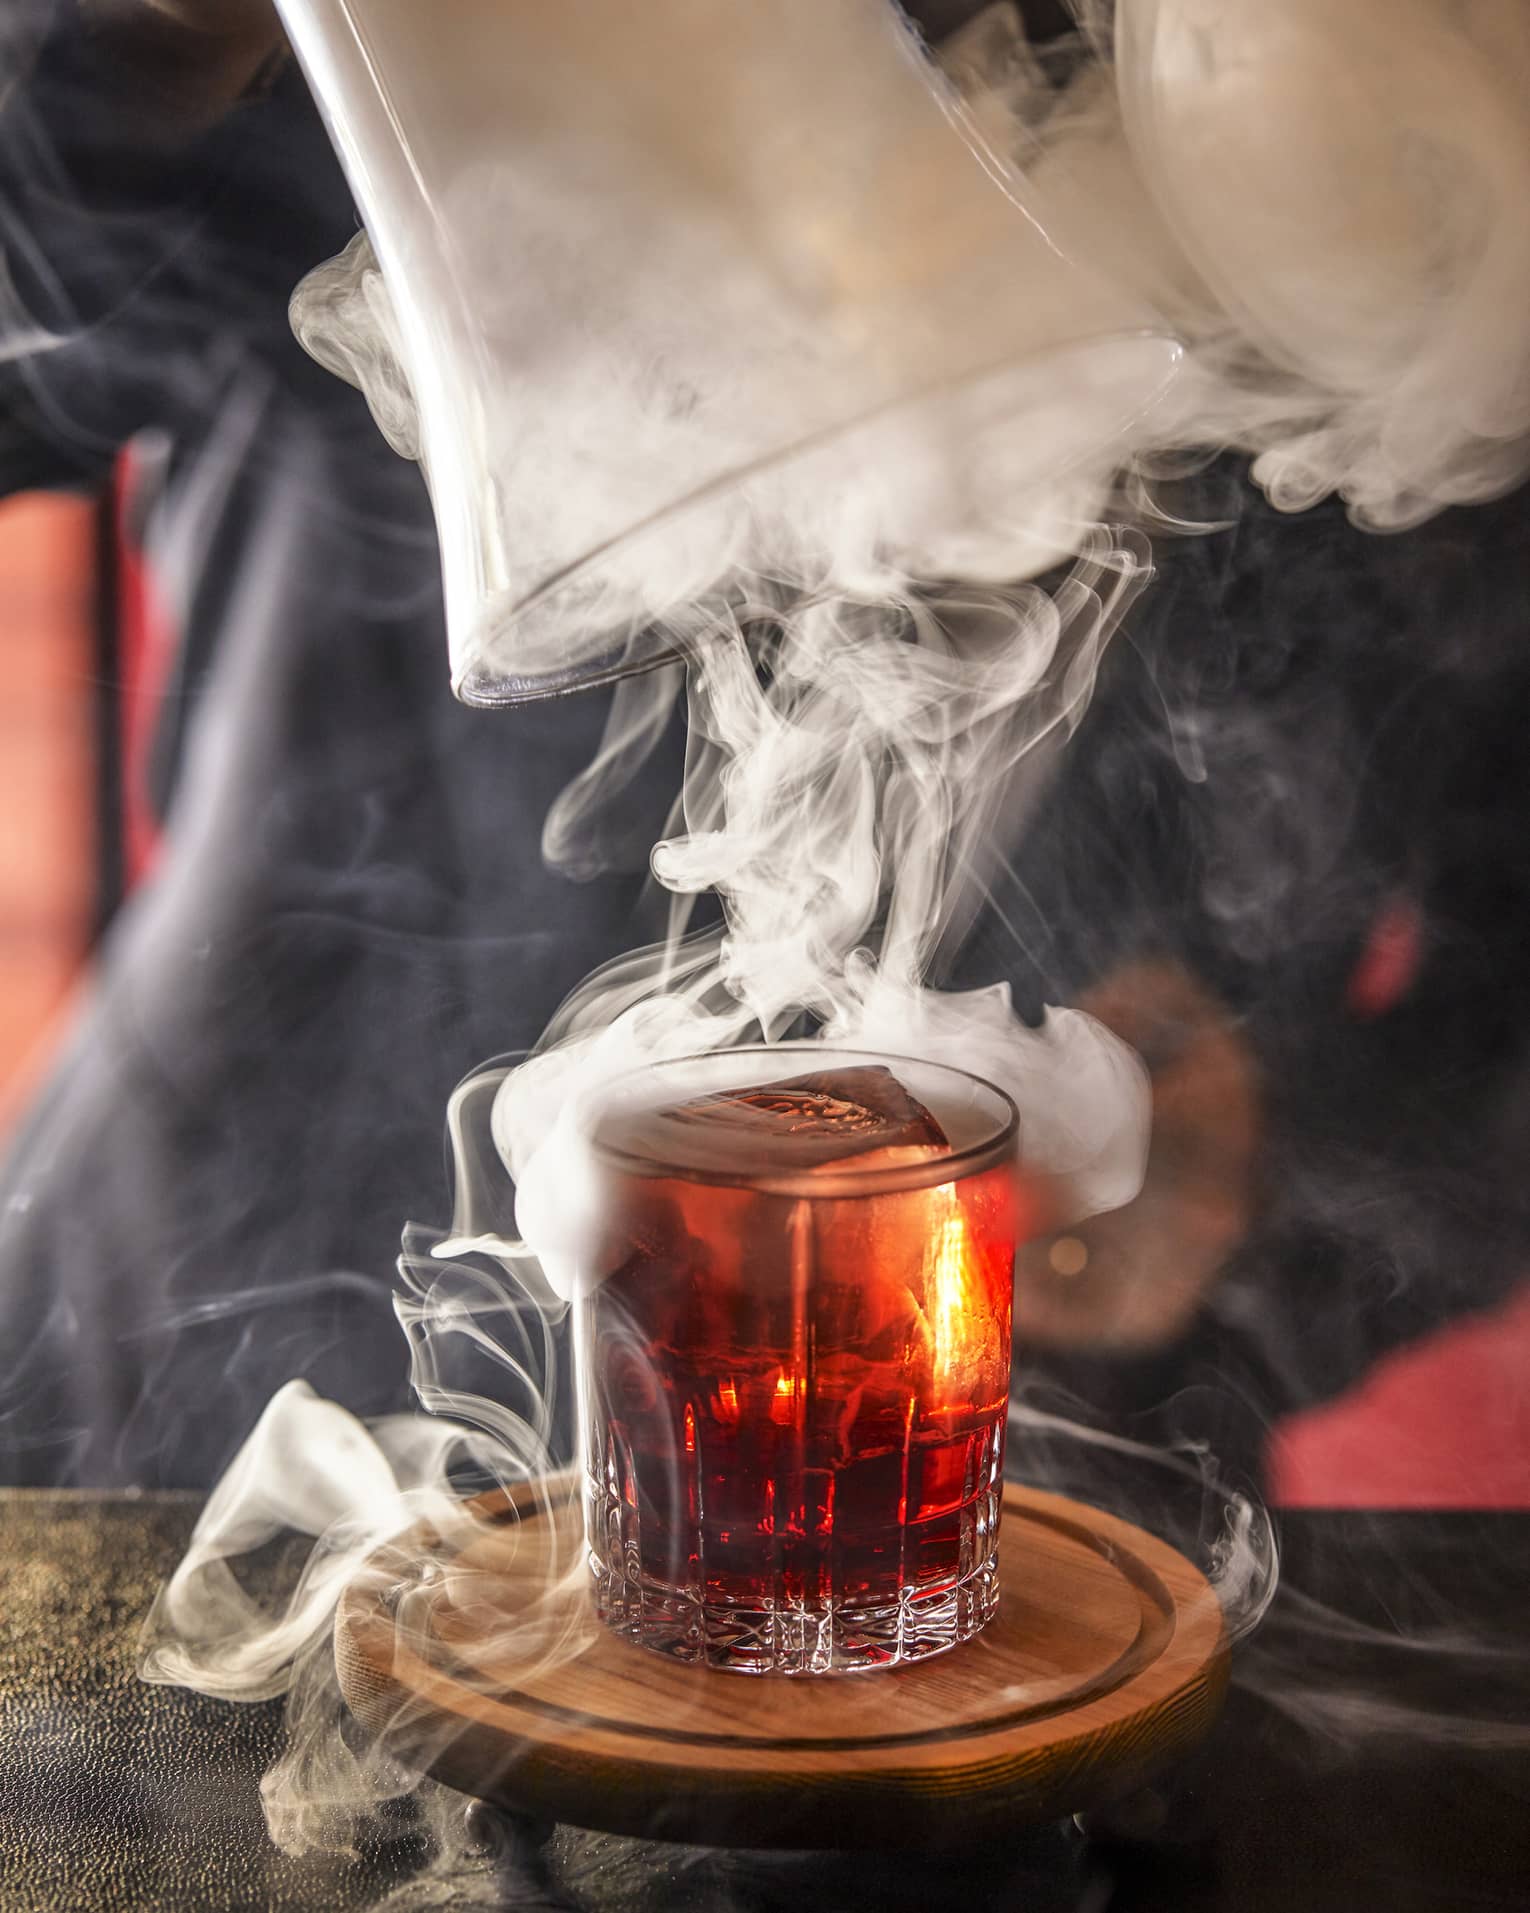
(801, 1123)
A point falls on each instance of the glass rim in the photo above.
(829, 1181)
(486, 684)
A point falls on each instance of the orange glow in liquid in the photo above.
(805, 1393)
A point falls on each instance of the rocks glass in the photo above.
(793, 1355)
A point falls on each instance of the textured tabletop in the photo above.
(118, 1796)
(113, 1794)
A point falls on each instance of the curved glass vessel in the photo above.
(688, 309)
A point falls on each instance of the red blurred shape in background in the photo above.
(1390, 961)
(48, 703)
(1443, 1424)
(146, 647)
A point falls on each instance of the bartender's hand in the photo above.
(1133, 1279)
(184, 63)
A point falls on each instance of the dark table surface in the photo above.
(1406, 1784)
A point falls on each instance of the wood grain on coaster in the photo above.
(482, 1658)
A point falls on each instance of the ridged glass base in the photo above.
(790, 1637)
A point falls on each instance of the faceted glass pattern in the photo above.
(793, 1405)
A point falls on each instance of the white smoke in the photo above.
(1346, 181)
(311, 1468)
(841, 799)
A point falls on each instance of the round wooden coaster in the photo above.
(481, 1659)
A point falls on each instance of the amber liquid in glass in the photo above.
(795, 1404)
